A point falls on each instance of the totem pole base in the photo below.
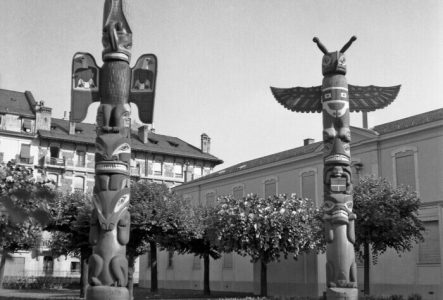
(107, 293)
(342, 294)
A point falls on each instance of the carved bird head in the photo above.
(117, 35)
(334, 62)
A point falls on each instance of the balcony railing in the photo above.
(53, 161)
(135, 171)
(25, 161)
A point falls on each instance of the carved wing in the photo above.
(299, 99)
(143, 80)
(84, 86)
(370, 98)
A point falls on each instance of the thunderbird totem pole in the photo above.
(335, 99)
(114, 85)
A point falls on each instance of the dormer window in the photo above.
(173, 144)
(27, 125)
(152, 141)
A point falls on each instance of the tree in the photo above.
(266, 229)
(157, 218)
(202, 238)
(70, 218)
(387, 217)
(26, 209)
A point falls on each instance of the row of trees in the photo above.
(263, 229)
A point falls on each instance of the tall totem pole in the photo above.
(114, 85)
(335, 99)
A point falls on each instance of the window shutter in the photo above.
(308, 185)
(429, 250)
(405, 169)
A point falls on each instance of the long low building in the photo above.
(407, 151)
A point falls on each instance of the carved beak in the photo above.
(113, 37)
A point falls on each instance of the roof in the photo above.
(12, 102)
(265, 160)
(161, 144)
(416, 120)
(401, 124)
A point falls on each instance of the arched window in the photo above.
(79, 184)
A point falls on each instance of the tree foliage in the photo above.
(266, 229)
(24, 203)
(387, 217)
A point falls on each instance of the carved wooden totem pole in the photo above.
(335, 99)
(114, 85)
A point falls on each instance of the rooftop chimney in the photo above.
(205, 143)
(71, 128)
(143, 133)
(365, 119)
(42, 116)
(308, 141)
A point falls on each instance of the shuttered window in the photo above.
(196, 263)
(210, 199)
(429, 250)
(238, 192)
(79, 184)
(25, 151)
(227, 261)
(405, 169)
(270, 188)
(308, 185)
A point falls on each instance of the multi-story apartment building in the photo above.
(407, 151)
(64, 151)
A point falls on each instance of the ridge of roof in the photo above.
(408, 122)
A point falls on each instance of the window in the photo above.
(27, 125)
(178, 171)
(197, 172)
(25, 154)
(53, 177)
(210, 199)
(54, 151)
(157, 168)
(237, 192)
(48, 265)
(170, 264)
(81, 159)
(168, 169)
(405, 169)
(79, 184)
(429, 250)
(308, 185)
(227, 260)
(270, 187)
(75, 267)
(196, 263)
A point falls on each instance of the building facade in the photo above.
(406, 152)
(63, 151)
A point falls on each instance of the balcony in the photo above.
(28, 161)
(55, 162)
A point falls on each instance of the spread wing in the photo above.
(84, 85)
(143, 80)
(299, 99)
(370, 98)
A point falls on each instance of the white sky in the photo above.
(217, 59)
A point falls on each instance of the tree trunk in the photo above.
(367, 265)
(154, 279)
(83, 273)
(263, 279)
(131, 262)
(206, 289)
(2, 267)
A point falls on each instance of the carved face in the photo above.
(337, 151)
(110, 206)
(113, 154)
(334, 63)
(338, 207)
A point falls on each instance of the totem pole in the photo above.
(114, 85)
(335, 99)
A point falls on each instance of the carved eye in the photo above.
(328, 205)
(342, 61)
(349, 205)
(326, 60)
(328, 96)
(121, 202)
(124, 148)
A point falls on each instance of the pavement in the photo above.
(139, 294)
